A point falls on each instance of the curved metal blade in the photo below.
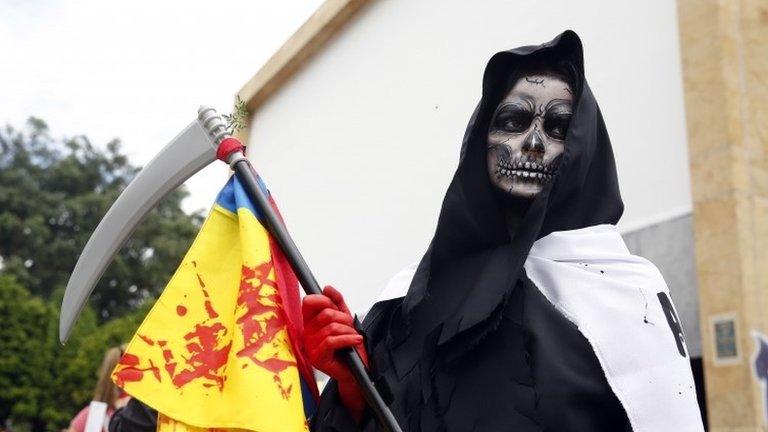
(185, 155)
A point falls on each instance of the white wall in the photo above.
(359, 147)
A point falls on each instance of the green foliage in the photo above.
(24, 373)
(237, 120)
(44, 384)
(53, 193)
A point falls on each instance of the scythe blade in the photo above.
(186, 154)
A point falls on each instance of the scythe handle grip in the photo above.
(274, 225)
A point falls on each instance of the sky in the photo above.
(136, 70)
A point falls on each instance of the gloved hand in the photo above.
(328, 327)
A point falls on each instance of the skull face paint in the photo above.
(526, 135)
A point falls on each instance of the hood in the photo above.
(473, 262)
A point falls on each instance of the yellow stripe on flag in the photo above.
(214, 351)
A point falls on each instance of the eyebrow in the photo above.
(557, 103)
(523, 98)
(526, 97)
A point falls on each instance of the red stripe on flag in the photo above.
(288, 287)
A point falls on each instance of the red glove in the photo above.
(327, 328)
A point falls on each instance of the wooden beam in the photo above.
(324, 23)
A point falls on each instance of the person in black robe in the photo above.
(471, 343)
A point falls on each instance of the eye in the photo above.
(556, 125)
(513, 119)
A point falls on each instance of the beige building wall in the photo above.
(724, 51)
(724, 48)
(366, 133)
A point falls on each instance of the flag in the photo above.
(220, 347)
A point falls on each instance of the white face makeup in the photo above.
(527, 134)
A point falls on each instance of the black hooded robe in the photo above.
(474, 345)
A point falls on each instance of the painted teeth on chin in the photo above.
(527, 163)
(541, 177)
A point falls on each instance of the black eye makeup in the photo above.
(513, 118)
(556, 124)
(517, 118)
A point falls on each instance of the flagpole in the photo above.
(231, 151)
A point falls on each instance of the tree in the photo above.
(53, 193)
(25, 355)
(44, 384)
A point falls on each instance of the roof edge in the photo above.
(307, 41)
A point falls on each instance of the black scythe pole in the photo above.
(249, 178)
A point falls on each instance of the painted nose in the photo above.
(533, 142)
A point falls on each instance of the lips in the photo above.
(525, 168)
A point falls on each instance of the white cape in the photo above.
(613, 297)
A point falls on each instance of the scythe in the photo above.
(199, 144)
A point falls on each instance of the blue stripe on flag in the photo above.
(309, 400)
(234, 196)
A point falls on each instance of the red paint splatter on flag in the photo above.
(208, 306)
(207, 359)
(170, 364)
(127, 370)
(261, 319)
(285, 392)
(206, 354)
(275, 365)
(129, 359)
